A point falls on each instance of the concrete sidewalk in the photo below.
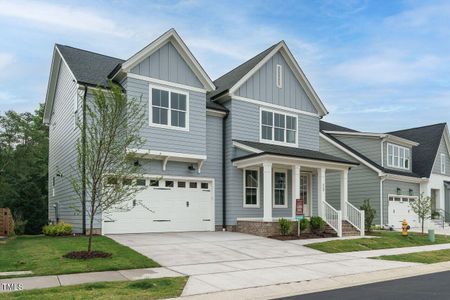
(37, 282)
(395, 251)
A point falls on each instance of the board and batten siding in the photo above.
(246, 125)
(63, 135)
(385, 158)
(167, 64)
(437, 163)
(390, 188)
(369, 147)
(167, 139)
(262, 86)
(363, 183)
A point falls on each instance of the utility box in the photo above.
(6, 222)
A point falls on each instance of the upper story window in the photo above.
(169, 108)
(279, 76)
(398, 157)
(278, 128)
(443, 163)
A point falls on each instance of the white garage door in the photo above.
(400, 209)
(166, 205)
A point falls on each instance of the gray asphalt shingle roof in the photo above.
(228, 80)
(326, 126)
(291, 152)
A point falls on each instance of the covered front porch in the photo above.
(286, 179)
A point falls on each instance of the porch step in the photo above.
(349, 230)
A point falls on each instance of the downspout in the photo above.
(382, 179)
(83, 162)
(224, 180)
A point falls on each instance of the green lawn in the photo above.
(428, 257)
(141, 289)
(384, 240)
(43, 255)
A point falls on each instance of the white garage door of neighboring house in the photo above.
(166, 205)
(400, 209)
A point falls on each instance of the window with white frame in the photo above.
(278, 128)
(443, 163)
(169, 108)
(251, 193)
(279, 189)
(398, 156)
(279, 76)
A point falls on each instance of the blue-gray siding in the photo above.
(164, 139)
(437, 163)
(363, 182)
(167, 64)
(262, 86)
(62, 151)
(369, 147)
(390, 187)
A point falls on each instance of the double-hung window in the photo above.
(278, 128)
(251, 193)
(169, 108)
(443, 163)
(279, 189)
(398, 156)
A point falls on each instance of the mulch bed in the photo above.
(302, 236)
(87, 255)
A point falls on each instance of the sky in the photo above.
(377, 65)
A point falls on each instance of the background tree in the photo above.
(422, 208)
(23, 168)
(112, 128)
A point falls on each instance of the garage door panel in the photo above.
(164, 210)
(400, 209)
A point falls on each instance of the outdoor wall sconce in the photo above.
(411, 192)
(137, 163)
(399, 191)
(191, 167)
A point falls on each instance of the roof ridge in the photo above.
(418, 127)
(273, 46)
(89, 51)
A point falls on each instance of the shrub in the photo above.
(285, 226)
(304, 224)
(58, 229)
(19, 226)
(317, 224)
(369, 214)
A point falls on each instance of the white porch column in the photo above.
(295, 187)
(321, 197)
(267, 167)
(344, 193)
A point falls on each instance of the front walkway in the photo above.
(39, 282)
(223, 261)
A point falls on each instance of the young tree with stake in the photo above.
(422, 208)
(105, 174)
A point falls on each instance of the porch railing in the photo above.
(333, 217)
(355, 217)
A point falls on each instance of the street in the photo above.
(432, 286)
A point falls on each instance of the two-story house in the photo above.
(395, 169)
(237, 153)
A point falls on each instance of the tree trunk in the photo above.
(91, 224)
(423, 224)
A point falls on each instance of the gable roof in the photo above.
(424, 154)
(170, 36)
(88, 67)
(289, 151)
(326, 126)
(232, 80)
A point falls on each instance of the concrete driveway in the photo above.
(219, 261)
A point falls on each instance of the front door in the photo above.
(305, 193)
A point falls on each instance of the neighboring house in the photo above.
(395, 168)
(231, 154)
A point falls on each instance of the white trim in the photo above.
(163, 154)
(405, 178)
(258, 202)
(284, 171)
(168, 84)
(443, 163)
(382, 179)
(382, 152)
(388, 137)
(215, 113)
(401, 196)
(298, 73)
(399, 166)
(272, 141)
(245, 147)
(274, 106)
(279, 76)
(172, 36)
(346, 151)
(169, 109)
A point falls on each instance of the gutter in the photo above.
(224, 180)
(83, 162)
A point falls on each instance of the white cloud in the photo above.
(60, 16)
